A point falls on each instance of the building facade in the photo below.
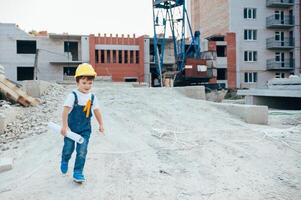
(55, 56)
(265, 37)
(122, 58)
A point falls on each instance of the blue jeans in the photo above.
(81, 152)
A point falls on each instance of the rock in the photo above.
(6, 164)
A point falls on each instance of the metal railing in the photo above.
(287, 43)
(286, 22)
(287, 64)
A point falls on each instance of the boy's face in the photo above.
(84, 85)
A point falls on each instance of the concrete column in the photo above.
(92, 49)
(111, 55)
(231, 60)
(106, 56)
(134, 61)
(117, 56)
(129, 56)
(99, 56)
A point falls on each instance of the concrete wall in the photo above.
(9, 58)
(297, 36)
(35, 88)
(54, 52)
(249, 113)
(194, 92)
(50, 50)
(221, 61)
(209, 17)
(85, 49)
(146, 61)
(238, 24)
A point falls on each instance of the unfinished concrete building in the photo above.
(266, 37)
(54, 55)
(169, 63)
(224, 48)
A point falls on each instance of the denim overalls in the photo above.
(80, 124)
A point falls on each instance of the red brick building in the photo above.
(225, 46)
(122, 58)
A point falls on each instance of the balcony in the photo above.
(278, 23)
(287, 43)
(287, 64)
(280, 3)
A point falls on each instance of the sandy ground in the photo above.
(161, 145)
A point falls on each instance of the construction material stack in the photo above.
(13, 92)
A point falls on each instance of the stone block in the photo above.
(195, 92)
(6, 164)
(249, 113)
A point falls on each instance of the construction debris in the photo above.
(4, 103)
(14, 93)
(216, 96)
(25, 123)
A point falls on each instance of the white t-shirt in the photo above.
(82, 99)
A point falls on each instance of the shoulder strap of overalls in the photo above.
(75, 98)
(92, 100)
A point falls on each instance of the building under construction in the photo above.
(261, 38)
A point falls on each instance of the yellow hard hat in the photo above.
(85, 69)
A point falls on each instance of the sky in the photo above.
(80, 16)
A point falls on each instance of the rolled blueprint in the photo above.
(73, 136)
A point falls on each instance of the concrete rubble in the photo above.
(31, 120)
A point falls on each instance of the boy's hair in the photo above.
(89, 78)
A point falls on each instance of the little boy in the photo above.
(77, 115)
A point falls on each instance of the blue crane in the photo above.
(170, 17)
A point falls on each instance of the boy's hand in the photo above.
(64, 131)
(101, 129)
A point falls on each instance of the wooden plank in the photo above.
(8, 92)
(14, 93)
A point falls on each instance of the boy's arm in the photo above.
(98, 116)
(65, 120)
